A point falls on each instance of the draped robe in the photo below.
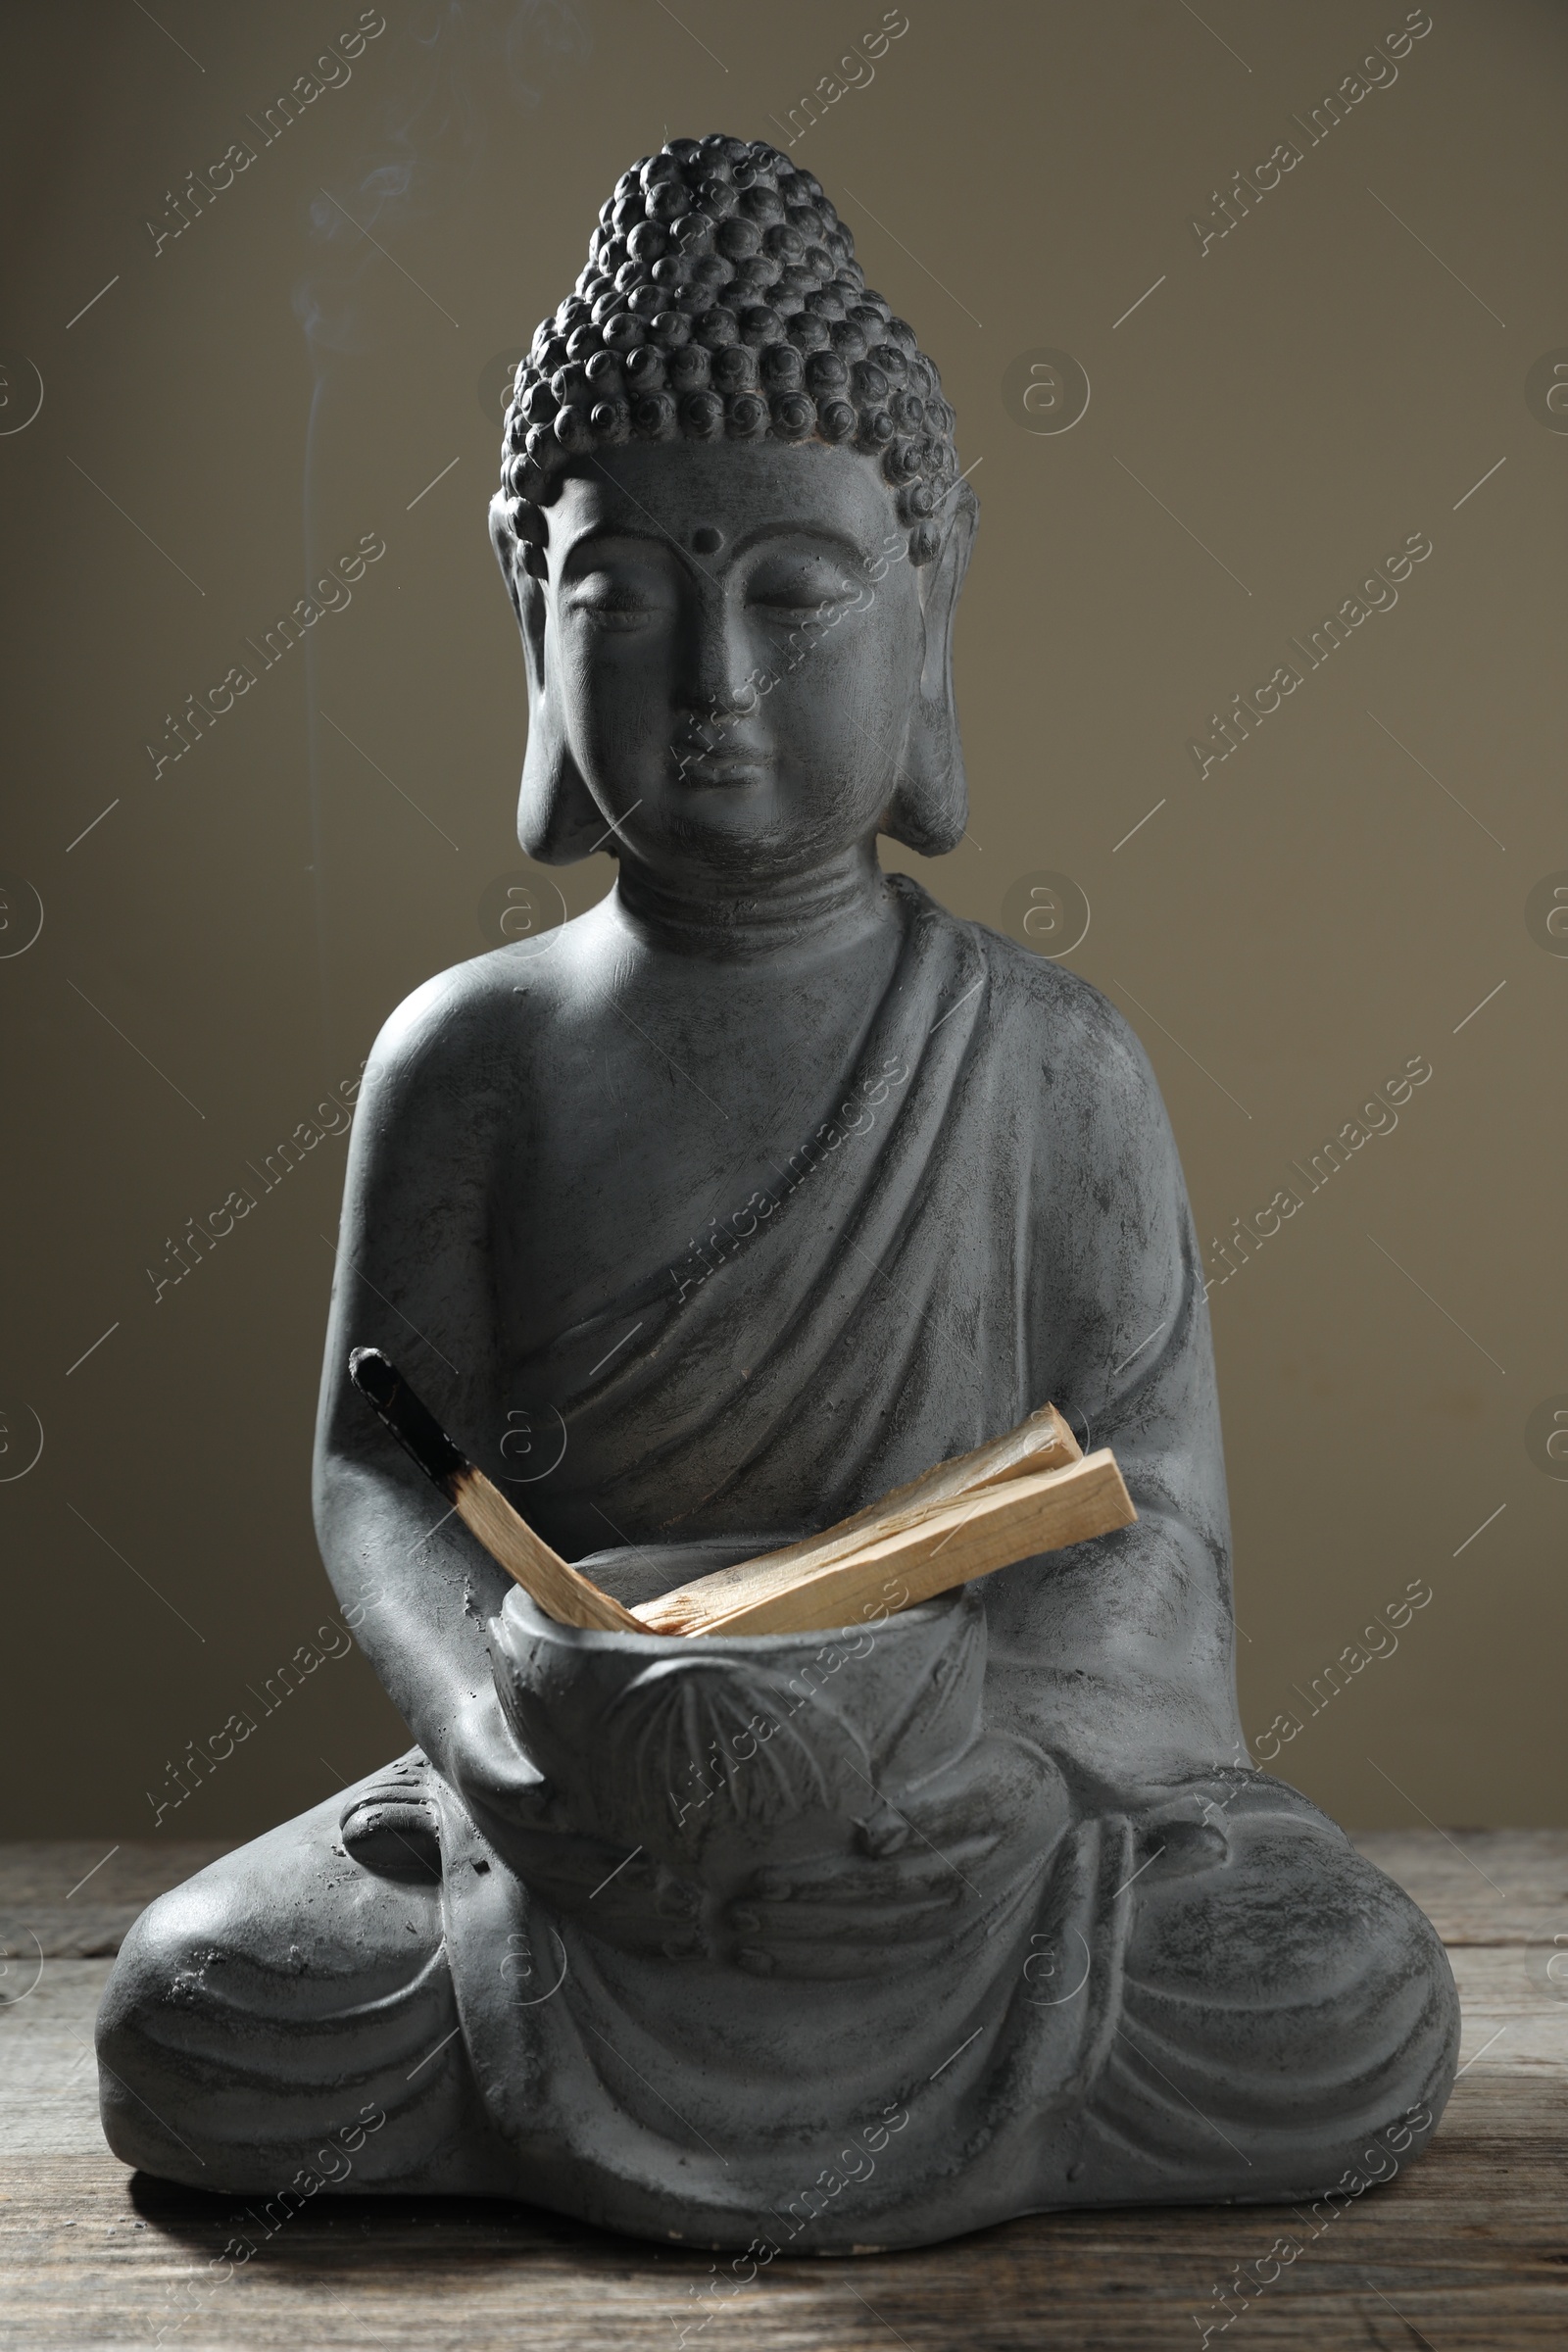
(1181, 1981)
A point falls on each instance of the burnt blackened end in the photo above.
(411, 1422)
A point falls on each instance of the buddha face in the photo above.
(732, 649)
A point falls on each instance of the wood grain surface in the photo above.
(1465, 2252)
(1044, 1442)
(548, 1579)
(922, 1556)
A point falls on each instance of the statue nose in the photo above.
(718, 685)
(720, 710)
(723, 705)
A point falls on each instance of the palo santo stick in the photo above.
(548, 1579)
(1010, 1521)
(1044, 1442)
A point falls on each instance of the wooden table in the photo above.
(1465, 2252)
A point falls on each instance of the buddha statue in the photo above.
(701, 1221)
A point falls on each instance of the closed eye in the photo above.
(619, 596)
(798, 607)
(796, 598)
(615, 615)
(798, 579)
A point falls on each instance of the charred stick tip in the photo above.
(410, 1420)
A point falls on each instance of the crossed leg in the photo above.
(261, 2018)
(1285, 2006)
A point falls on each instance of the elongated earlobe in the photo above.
(931, 802)
(559, 820)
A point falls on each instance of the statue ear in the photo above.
(559, 820)
(931, 799)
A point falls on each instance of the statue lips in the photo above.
(708, 753)
(726, 770)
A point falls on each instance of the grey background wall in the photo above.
(311, 364)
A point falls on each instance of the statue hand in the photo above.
(928, 1866)
(618, 1894)
(498, 1780)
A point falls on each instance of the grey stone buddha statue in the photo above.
(703, 1221)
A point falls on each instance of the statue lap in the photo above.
(1281, 2000)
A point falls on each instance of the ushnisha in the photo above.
(722, 299)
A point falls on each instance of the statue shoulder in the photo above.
(1082, 1036)
(461, 1024)
(439, 1019)
(1032, 986)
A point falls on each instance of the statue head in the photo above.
(733, 531)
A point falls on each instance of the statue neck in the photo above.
(834, 904)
